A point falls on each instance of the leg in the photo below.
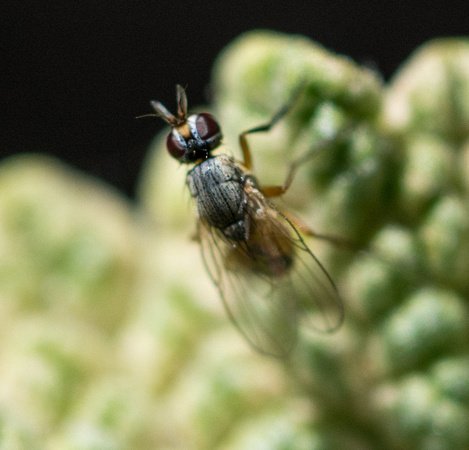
(266, 127)
(276, 191)
(335, 240)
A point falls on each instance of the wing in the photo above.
(271, 281)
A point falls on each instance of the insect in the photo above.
(267, 277)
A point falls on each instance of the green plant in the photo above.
(113, 336)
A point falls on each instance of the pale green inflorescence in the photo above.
(396, 183)
(113, 336)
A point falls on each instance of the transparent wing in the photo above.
(271, 281)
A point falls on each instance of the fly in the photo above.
(267, 277)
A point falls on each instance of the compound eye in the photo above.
(206, 126)
(175, 147)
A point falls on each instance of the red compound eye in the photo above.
(206, 126)
(175, 148)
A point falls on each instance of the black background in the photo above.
(75, 75)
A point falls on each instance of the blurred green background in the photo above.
(114, 338)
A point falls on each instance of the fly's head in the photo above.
(192, 138)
